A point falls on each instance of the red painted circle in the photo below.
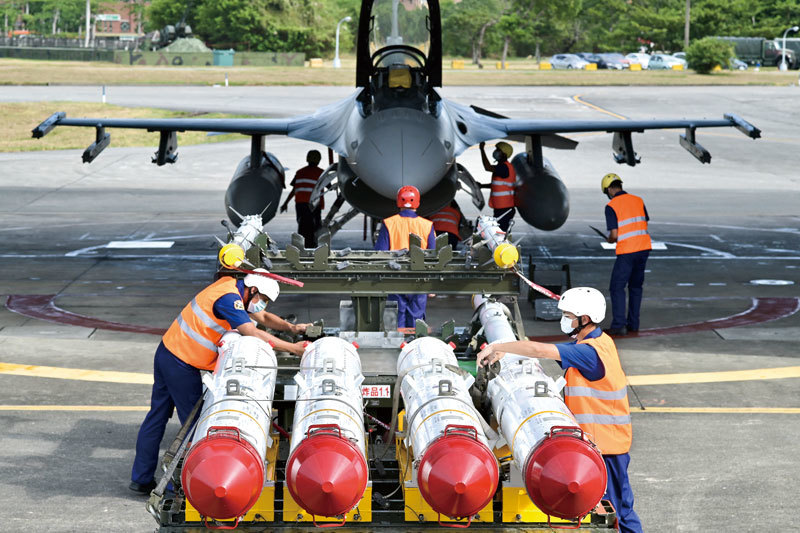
(222, 476)
(565, 476)
(457, 476)
(326, 475)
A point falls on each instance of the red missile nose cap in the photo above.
(457, 475)
(565, 477)
(222, 476)
(326, 475)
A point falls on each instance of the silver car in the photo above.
(664, 62)
(568, 61)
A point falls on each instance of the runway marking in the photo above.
(76, 374)
(756, 374)
(42, 307)
(761, 310)
(578, 99)
(82, 408)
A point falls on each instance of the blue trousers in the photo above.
(410, 307)
(619, 493)
(628, 270)
(176, 385)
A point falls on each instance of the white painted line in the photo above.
(718, 253)
(685, 284)
(718, 284)
(778, 282)
(140, 244)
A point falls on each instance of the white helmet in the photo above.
(266, 286)
(584, 301)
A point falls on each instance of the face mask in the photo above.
(256, 305)
(566, 326)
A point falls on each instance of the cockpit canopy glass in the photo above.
(399, 22)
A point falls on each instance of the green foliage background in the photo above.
(548, 26)
(706, 53)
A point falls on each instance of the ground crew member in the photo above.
(596, 390)
(504, 178)
(309, 220)
(393, 235)
(447, 220)
(189, 345)
(626, 221)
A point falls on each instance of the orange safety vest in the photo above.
(446, 220)
(502, 196)
(632, 233)
(400, 228)
(194, 334)
(601, 407)
(304, 181)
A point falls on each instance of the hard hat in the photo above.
(313, 157)
(608, 179)
(266, 286)
(505, 148)
(584, 301)
(408, 197)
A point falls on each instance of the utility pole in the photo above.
(88, 22)
(686, 25)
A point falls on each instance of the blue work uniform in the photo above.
(410, 307)
(584, 358)
(628, 270)
(176, 385)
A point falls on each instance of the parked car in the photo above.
(597, 59)
(642, 59)
(680, 55)
(568, 61)
(615, 61)
(664, 62)
(737, 64)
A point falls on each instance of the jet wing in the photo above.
(325, 126)
(474, 125)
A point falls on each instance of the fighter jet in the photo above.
(396, 129)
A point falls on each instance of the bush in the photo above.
(706, 53)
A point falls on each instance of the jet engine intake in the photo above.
(255, 190)
(542, 198)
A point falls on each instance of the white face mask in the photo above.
(566, 325)
(256, 305)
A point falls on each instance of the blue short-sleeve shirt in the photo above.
(582, 357)
(230, 307)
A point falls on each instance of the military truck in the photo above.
(766, 52)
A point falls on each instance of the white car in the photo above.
(642, 59)
(664, 62)
(567, 61)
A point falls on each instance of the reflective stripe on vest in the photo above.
(446, 220)
(400, 228)
(601, 407)
(304, 181)
(632, 235)
(194, 334)
(502, 196)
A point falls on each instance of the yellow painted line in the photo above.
(74, 408)
(577, 98)
(722, 410)
(716, 377)
(108, 376)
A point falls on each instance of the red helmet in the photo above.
(408, 197)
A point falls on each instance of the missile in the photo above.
(564, 473)
(326, 472)
(505, 254)
(457, 473)
(231, 255)
(223, 472)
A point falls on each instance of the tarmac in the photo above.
(715, 384)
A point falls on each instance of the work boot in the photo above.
(140, 488)
(617, 332)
